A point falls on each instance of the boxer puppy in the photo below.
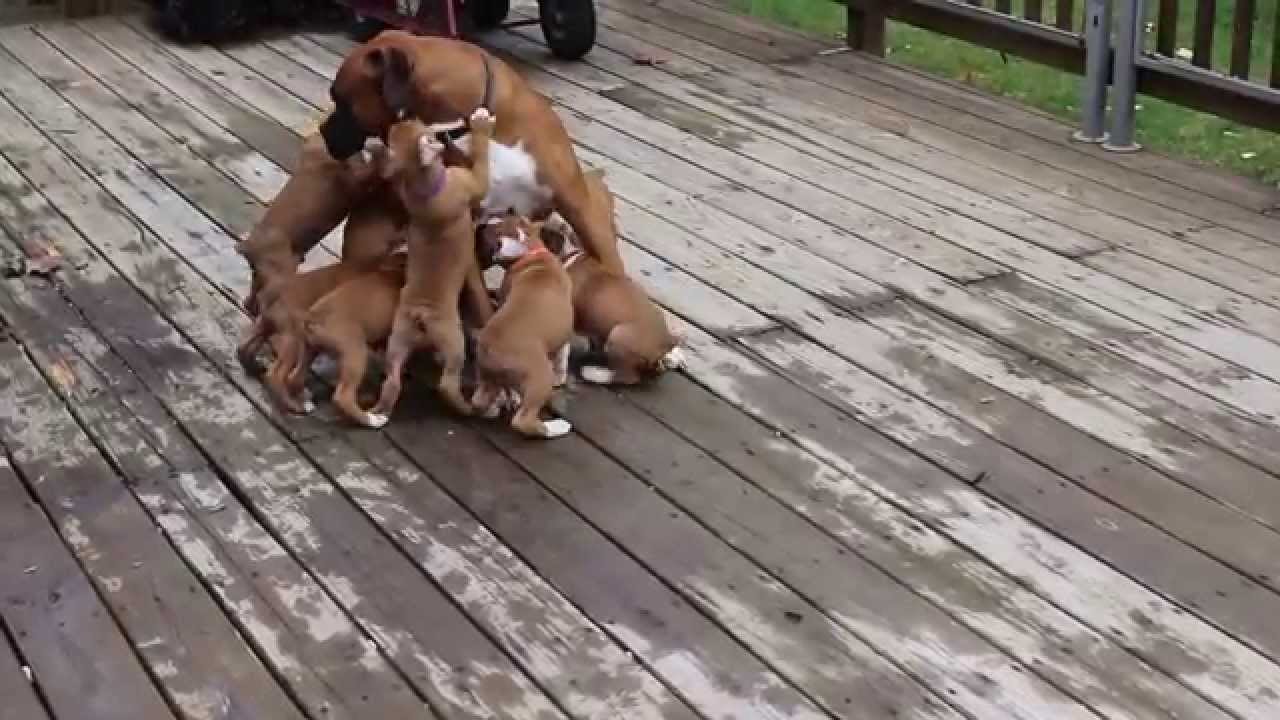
(345, 322)
(524, 349)
(611, 311)
(442, 259)
(442, 80)
(373, 231)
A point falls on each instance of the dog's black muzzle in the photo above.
(343, 136)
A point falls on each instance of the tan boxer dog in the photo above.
(442, 259)
(320, 193)
(611, 311)
(346, 321)
(524, 350)
(440, 80)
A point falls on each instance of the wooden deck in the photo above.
(978, 423)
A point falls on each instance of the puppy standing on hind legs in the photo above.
(442, 259)
(523, 351)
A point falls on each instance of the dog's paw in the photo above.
(308, 406)
(482, 120)
(597, 375)
(556, 428)
(674, 359)
(375, 420)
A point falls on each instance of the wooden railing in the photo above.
(1232, 83)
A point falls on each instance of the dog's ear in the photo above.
(391, 65)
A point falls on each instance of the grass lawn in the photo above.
(1161, 126)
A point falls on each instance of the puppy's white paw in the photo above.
(597, 375)
(674, 359)
(556, 428)
(481, 113)
(308, 406)
(376, 420)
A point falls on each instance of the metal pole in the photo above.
(1093, 90)
(1125, 78)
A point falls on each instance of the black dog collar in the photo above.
(486, 102)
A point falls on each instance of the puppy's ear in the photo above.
(391, 65)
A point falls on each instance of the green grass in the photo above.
(1162, 126)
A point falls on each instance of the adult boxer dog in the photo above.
(441, 80)
(524, 350)
(442, 260)
(346, 321)
(612, 311)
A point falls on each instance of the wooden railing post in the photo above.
(868, 26)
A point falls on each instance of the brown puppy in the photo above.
(442, 260)
(442, 80)
(346, 321)
(613, 312)
(319, 194)
(524, 349)
(373, 231)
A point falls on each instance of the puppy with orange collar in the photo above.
(612, 311)
(440, 201)
(440, 80)
(346, 321)
(523, 352)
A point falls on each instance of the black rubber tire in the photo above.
(203, 21)
(487, 14)
(569, 26)
(363, 29)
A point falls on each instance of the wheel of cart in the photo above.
(569, 26)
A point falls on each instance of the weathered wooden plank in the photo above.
(1228, 383)
(838, 670)
(1082, 662)
(929, 295)
(955, 663)
(777, 144)
(589, 675)
(294, 77)
(257, 175)
(331, 668)
(729, 97)
(1159, 631)
(228, 204)
(696, 657)
(82, 663)
(895, 104)
(253, 89)
(262, 133)
(1100, 366)
(1218, 302)
(1214, 192)
(873, 262)
(17, 689)
(1081, 407)
(192, 650)
(426, 635)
